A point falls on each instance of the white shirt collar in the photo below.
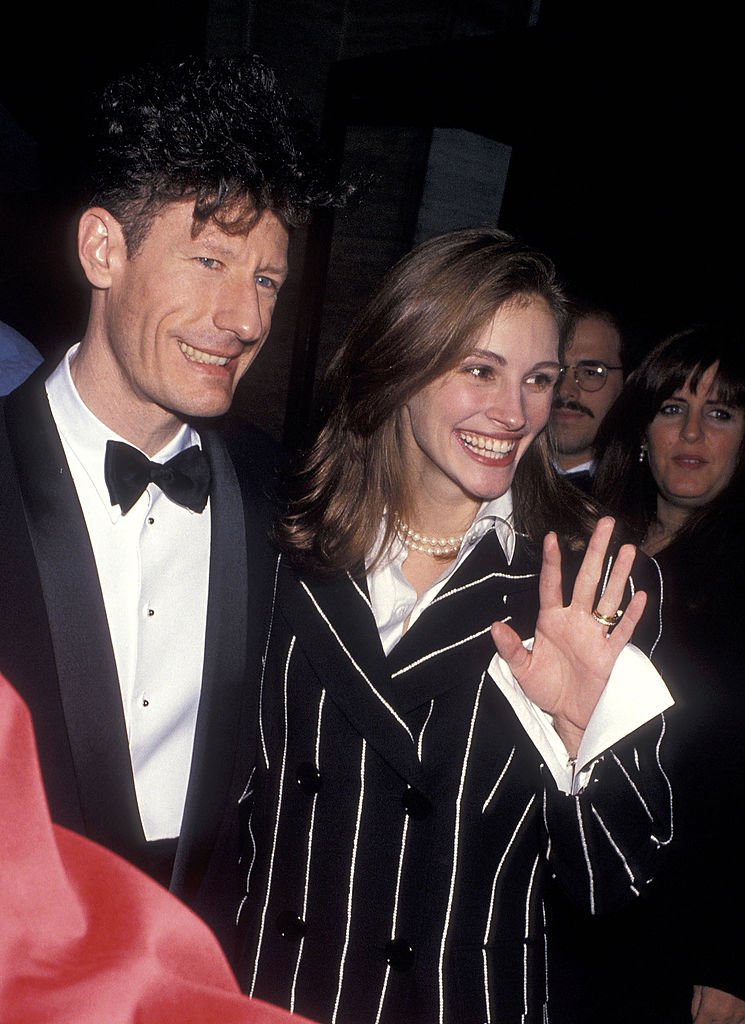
(584, 467)
(86, 436)
(394, 601)
(496, 514)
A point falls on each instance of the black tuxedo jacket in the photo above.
(56, 651)
(403, 830)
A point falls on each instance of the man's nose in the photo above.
(568, 387)
(239, 311)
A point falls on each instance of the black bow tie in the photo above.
(185, 478)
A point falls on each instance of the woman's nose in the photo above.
(506, 407)
(692, 426)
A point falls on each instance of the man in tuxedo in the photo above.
(590, 382)
(135, 570)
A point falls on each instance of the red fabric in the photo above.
(85, 938)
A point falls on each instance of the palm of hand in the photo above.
(573, 654)
(571, 661)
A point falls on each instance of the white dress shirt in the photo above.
(634, 694)
(153, 567)
(393, 598)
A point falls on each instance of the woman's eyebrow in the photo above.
(485, 353)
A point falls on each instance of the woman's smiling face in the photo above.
(467, 431)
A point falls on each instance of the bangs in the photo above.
(685, 359)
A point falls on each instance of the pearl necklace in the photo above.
(437, 546)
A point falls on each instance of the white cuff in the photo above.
(634, 694)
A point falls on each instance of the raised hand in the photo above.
(573, 653)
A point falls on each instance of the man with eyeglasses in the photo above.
(591, 380)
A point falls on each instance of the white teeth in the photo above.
(488, 446)
(198, 356)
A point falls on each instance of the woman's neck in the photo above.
(427, 557)
(668, 522)
(437, 519)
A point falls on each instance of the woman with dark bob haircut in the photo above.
(672, 467)
(416, 792)
(700, 367)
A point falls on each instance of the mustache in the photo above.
(569, 403)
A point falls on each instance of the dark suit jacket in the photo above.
(688, 928)
(56, 650)
(402, 825)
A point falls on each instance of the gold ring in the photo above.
(607, 620)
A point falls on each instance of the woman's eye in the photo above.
(670, 409)
(721, 414)
(541, 381)
(479, 372)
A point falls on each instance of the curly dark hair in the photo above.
(220, 131)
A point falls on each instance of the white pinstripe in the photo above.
(502, 859)
(633, 785)
(664, 842)
(616, 849)
(526, 936)
(247, 787)
(456, 843)
(360, 591)
(402, 853)
(309, 849)
(394, 921)
(372, 689)
(248, 874)
(484, 579)
(549, 840)
(659, 610)
(263, 664)
(420, 744)
(440, 650)
(492, 897)
(585, 851)
(265, 908)
(352, 867)
(547, 1000)
(499, 780)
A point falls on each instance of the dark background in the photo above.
(622, 125)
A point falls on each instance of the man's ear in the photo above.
(101, 245)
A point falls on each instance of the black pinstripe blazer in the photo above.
(400, 827)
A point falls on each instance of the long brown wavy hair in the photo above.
(420, 323)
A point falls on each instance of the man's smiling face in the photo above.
(186, 316)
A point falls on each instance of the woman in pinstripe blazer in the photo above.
(416, 795)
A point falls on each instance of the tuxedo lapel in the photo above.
(240, 595)
(224, 672)
(86, 669)
(335, 628)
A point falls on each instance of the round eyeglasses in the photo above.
(588, 374)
